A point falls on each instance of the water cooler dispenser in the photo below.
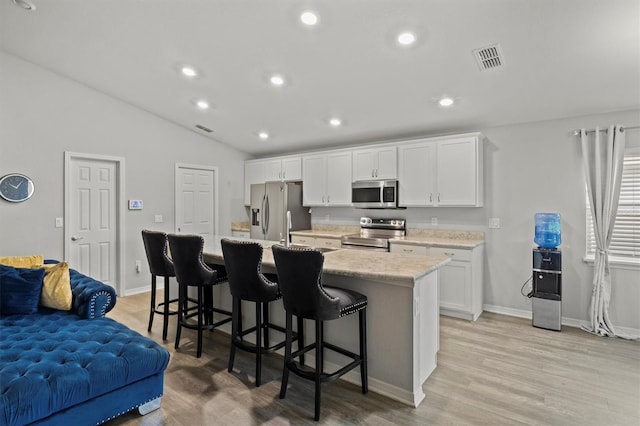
(547, 273)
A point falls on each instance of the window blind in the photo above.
(625, 242)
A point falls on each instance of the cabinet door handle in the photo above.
(328, 199)
(438, 197)
(376, 172)
(407, 250)
(373, 173)
(323, 199)
(431, 198)
(449, 254)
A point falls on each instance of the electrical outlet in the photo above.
(59, 222)
(434, 220)
(494, 222)
(138, 266)
(158, 218)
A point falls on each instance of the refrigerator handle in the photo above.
(262, 215)
(266, 216)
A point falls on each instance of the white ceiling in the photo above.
(561, 58)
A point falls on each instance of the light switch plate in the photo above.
(59, 222)
(158, 218)
(494, 222)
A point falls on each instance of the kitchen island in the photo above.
(402, 315)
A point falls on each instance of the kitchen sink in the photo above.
(320, 249)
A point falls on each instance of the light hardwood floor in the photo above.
(498, 370)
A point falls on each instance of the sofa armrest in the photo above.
(91, 298)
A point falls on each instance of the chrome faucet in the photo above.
(287, 231)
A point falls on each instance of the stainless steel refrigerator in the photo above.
(269, 205)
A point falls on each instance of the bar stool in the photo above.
(160, 265)
(303, 295)
(191, 271)
(243, 260)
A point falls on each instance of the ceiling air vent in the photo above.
(489, 57)
(206, 129)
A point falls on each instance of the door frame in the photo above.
(120, 205)
(216, 185)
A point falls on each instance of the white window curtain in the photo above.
(603, 161)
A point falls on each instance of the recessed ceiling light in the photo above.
(309, 18)
(277, 80)
(25, 4)
(189, 71)
(263, 135)
(406, 38)
(335, 122)
(202, 104)
(445, 102)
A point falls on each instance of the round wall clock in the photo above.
(16, 188)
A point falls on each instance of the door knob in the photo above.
(74, 238)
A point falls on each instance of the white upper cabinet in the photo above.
(459, 172)
(254, 172)
(375, 163)
(327, 179)
(441, 172)
(416, 180)
(269, 170)
(283, 169)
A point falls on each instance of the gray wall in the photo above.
(530, 168)
(42, 115)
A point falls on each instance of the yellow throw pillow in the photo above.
(56, 287)
(22, 261)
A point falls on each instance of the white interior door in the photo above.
(196, 200)
(92, 216)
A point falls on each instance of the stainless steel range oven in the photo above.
(374, 234)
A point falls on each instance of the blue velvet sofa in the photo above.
(76, 367)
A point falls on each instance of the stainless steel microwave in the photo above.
(375, 194)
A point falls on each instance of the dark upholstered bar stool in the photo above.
(243, 260)
(191, 271)
(303, 295)
(155, 245)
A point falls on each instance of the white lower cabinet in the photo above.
(240, 234)
(460, 279)
(316, 241)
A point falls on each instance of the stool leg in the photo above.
(200, 320)
(207, 302)
(287, 355)
(165, 325)
(259, 309)
(319, 364)
(301, 337)
(235, 318)
(182, 306)
(363, 350)
(265, 323)
(153, 301)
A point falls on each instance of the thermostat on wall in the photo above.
(135, 204)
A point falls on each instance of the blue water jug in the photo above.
(548, 233)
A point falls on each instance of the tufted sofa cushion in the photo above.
(52, 361)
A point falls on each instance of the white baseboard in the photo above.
(138, 290)
(570, 322)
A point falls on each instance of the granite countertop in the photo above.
(442, 238)
(378, 266)
(327, 231)
(431, 237)
(240, 226)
